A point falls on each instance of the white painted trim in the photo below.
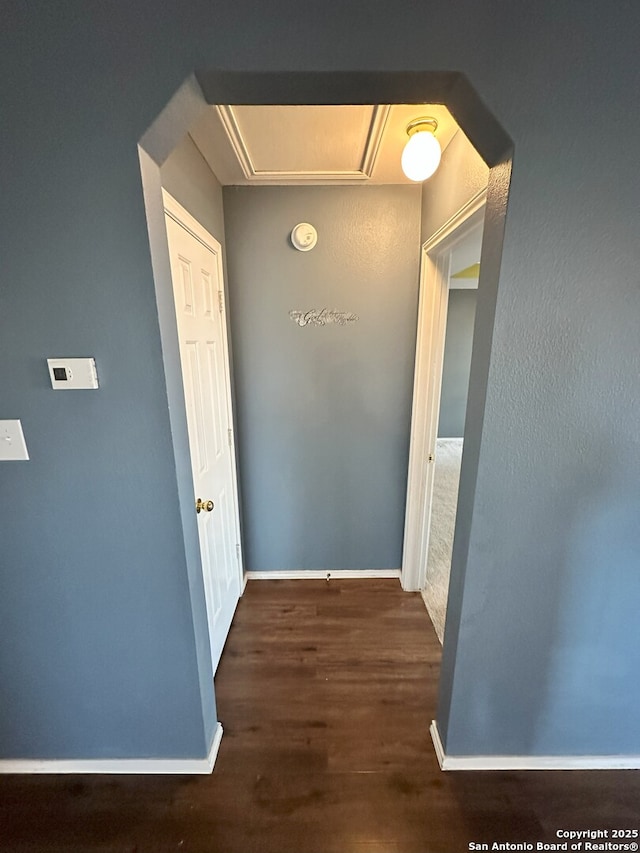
(319, 177)
(187, 766)
(241, 150)
(437, 743)
(182, 216)
(475, 204)
(374, 139)
(315, 574)
(236, 140)
(424, 424)
(530, 762)
(431, 331)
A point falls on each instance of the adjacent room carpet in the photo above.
(443, 519)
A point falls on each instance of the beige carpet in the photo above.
(443, 519)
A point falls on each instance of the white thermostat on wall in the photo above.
(71, 374)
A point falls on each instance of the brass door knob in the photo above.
(205, 506)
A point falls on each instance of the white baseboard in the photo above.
(117, 765)
(321, 574)
(530, 762)
(437, 744)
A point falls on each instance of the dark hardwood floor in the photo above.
(326, 692)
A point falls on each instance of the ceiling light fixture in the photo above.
(421, 155)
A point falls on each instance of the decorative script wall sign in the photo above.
(322, 317)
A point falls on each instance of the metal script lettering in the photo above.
(322, 317)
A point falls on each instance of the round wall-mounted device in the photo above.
(304, 237)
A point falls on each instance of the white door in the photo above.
(196, 269)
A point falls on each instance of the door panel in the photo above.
(197, 276)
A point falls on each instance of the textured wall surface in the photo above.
(323, 412)
(187, 176)
(97, 650)
(457, 363)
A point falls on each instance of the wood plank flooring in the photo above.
(326, 692)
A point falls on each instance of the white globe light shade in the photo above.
(421, 156)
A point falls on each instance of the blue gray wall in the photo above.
(187, 176)
(323, 412)
(457, 363)
(97, 640)
(461, 174)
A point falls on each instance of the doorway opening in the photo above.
(491, 143)
(450, 271)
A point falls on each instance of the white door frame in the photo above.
(427, 383)
(182, 216)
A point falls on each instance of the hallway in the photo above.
(326, 692)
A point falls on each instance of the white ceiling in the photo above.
(357, 144)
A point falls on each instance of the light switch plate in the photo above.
(12, 444)
(72, 374)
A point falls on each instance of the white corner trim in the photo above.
(374, 138)
(181, 766)
(437, 744)
(189, 223)
(315, 574)
(530, 762)
(236, 140)
(460, 217)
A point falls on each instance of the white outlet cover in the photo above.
(13, 447)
